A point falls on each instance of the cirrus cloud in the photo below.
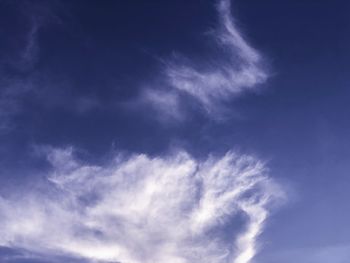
(230, 70)
(140, 209)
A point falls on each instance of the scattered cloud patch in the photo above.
(141, 209)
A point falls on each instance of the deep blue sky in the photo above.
(90, 59)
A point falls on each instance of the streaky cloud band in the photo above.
(141, 209)
(232, 69)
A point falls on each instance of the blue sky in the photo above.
(174, 131)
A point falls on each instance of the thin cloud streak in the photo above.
(18, 63)
(235, 67)
(142, 209)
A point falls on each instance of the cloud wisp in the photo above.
(140, 209)
(20, 54)
(233, 68)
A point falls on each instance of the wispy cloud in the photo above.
(233, 68)
(22, 37)
(20, 55)
(141, 209)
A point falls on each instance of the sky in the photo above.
(201, 131)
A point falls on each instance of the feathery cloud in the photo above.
(232, 69)
(141, 209)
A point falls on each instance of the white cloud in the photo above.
(139, 209)
(235, 67)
